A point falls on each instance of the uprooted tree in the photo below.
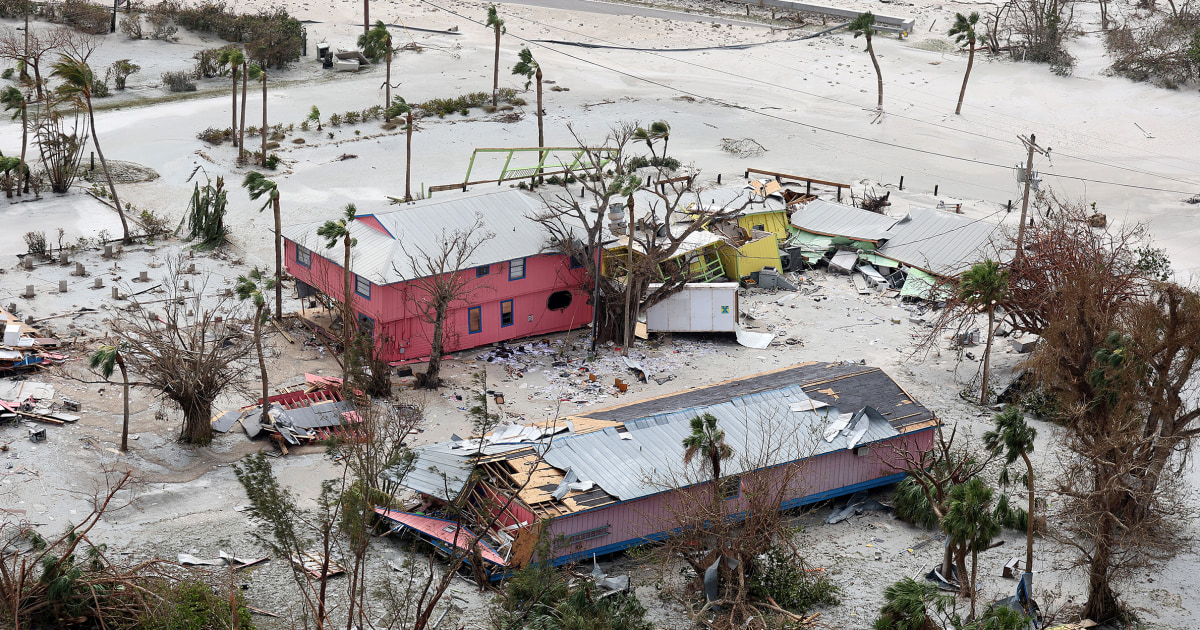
(1119, 350)
(669, 215)
(187, 347)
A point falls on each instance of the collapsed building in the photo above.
(607, 480)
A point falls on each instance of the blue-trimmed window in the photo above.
(303, 256)
(506, 313)
(475, 319)
(362, 286)
(366, 325)
(576, 262)
(483, 271)
(730, 487)
(516, 269)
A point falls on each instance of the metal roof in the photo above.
(941, 242)
(834, 219)
(439, 470)
(764, 429)
(382, 258)
(646, 202)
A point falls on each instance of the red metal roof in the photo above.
(446, 531)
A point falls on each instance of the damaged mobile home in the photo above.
(600, 482)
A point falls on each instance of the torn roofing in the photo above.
(834, 219)
(438, 470)
(764, 429)
(382, 258)
(941, 242)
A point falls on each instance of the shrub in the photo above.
(271, 34)
(304, 125)
(193, 605)
(100, 89)
(153, 222)
(119, 72)
(336, 121)
(272, 161)
(178, 82)
(207, 64)
(131, 26)
(36, 242)
(351, 118)
(777, 575)
(162, 20)
(214, 136)
(84, 16)
(8, 73)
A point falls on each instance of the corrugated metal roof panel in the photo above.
(761, 428)
(436, 471)
(381, 258)
(834, 219)
(942, 243)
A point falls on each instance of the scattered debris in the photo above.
(313, 561)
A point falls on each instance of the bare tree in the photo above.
(187, 350)
(1041, 29)
(30, 47)
(439, 282)
(574, 224)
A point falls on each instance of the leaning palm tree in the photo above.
(259, 187)
(1014, 438)
(105, 359)
(14, 99)
(971, 523)
(77, 85)
(251, 287)
(532, 70)
(707, 441)
(497, 25)
(964, 31)
(377, 43)
(234, 58)
(985, 285)
(864, 25)
(331, 231)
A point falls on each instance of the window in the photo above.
(366, 325)
(304, 255)
(558, 301)
(506, 313)
(516, 269)
(730, 487)
(362, 286)
(475, 319)
(760, 228)
(483, 271)
(576, 262)
(589, 534)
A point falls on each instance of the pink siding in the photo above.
(369, 219)
(825, 476)
(401, 334)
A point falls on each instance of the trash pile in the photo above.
(307, 414)
(30, 401)
(24, 348)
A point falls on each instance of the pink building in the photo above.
(614, 478)
(517, 286)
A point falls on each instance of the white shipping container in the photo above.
(12, 334)
(697, 307)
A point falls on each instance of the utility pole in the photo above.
(1031, 144)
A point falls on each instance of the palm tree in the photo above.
(252, 287)
(105, 358)
(242, 127)
(985, 284)
(864, 25)
(259, 186)
(77, 85)
(234, 58)
(497, 25)
(314, 115)
(971, 523)
(14, 99)
(331, 231)
(259, 72)
(1014, 437)
(366, 15)
(708, 441)
(400, 106)
(964, 30)
(377, 43)
(531, 69)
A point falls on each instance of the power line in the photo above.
(781, 118)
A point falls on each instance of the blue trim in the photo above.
(511, 316)
(360, 293)
(483, 270)
(361, 317)
(389, 232)
(575, 264)
(479, 310)
(812, 498)
(524, 261)
(301, 262)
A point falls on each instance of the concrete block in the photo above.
(144, 276)
(187, 286)
(108, 251)
(116, 293)
(62, 286)
(62, 258)
(191, 268)
(27, 262)
(79, 270)
(29, 291)
(99, 284)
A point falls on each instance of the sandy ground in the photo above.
(808, 103)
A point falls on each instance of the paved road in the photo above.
(615, 8)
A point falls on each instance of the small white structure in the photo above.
(697, 307)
